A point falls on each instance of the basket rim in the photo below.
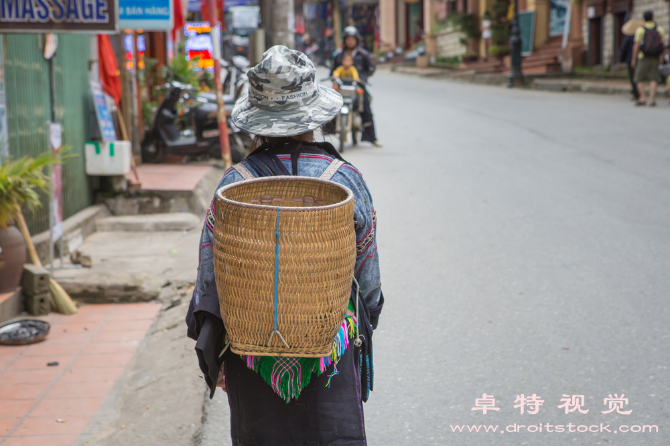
(350, 194)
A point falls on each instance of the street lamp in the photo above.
(515, 48)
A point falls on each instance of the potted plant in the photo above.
(19, 181)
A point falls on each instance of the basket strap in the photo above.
(276, 294)
(331, 169)
(246, 173)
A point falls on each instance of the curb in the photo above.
(552, 85)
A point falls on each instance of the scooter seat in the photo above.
(181, 142)
(205, 111)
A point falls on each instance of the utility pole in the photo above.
(278, 18)
(515, 48)
(221, 109)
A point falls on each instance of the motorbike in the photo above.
(177, 116)
(349, 119)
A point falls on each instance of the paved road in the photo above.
(525, 248)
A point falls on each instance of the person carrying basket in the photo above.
(288, 289)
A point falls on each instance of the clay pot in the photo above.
(12, 258)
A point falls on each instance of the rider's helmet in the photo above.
(351, 31)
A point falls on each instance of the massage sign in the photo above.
(44, 16)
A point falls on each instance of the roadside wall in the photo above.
(608, 41)
(29, 109)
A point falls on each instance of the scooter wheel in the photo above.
(153, 152)
(343, 131)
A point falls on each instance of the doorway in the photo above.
(595, 41)
(414, 23)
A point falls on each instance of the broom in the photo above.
(59, 297)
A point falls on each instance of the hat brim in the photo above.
(631, 26)
(276, 122)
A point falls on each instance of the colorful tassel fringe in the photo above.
(288, 375)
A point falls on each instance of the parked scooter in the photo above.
(349, 119)
(167, 138)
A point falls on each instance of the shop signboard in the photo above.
(198, 46)
(105, 122)
(63, 16)
(558, 16)
(147, 15)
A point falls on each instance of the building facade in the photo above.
(601, 26)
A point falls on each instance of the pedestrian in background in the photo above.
(365, 67)
(649, 46)
(626, 56)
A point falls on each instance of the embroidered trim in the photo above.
(321, 157)
(369, 256)
(210, 219)
(363, 244)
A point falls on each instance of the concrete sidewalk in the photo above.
(604, 86)
(134, 265)
(558, 84)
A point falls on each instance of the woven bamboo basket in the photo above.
(314, 261)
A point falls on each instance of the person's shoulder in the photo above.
(639, 33)
(352, 178)
(363, 51)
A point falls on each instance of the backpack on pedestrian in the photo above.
(652, 42)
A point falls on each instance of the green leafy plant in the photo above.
(20, 179)
(499, 9)
(180, 69)
(148, 108)
(439, 25)
(453, 60)
(500, 33)
(149, 75)
(207, 78)
(466, 24)
(498, 50)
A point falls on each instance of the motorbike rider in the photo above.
(365, 67)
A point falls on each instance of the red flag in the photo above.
(110, 76)
(204, 11)
(178, 18)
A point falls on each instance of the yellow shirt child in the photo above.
(346, 73)
(347, 70)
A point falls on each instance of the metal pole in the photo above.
(221, 109)
(53, 119)
(515, 49)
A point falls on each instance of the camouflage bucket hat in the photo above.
(284, 98)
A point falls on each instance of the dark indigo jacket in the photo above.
(204, 323)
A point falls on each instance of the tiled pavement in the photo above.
(41, 405)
